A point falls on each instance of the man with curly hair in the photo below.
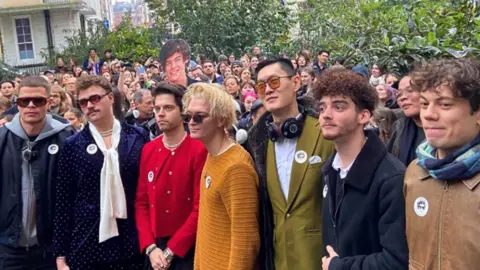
(442, 192)
(174, 57)
(363, 208)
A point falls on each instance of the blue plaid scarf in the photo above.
(460, 165)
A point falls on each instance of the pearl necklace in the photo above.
(106, 133)
(173, 147)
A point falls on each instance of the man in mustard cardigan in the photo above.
(289, 152)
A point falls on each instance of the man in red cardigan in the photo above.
(168, 186)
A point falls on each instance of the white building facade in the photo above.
(29, 27)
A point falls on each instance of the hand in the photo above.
(3, 121)
(61, 264)
(326, 261)
(157, 259)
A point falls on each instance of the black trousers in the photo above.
(185, 263)
(35, 258)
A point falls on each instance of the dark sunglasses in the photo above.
(37, 101)
(273, 82)
(94, 99)
(197, 118)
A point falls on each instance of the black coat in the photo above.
(367, 228)
(44, 171)
(77, 211)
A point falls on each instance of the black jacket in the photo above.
(43, 164)
(367, 228)
(257, 146)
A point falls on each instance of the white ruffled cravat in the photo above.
(113, 204)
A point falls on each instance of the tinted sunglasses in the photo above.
(197, 118)
(37, 101)
(273, 82)
(94, 99)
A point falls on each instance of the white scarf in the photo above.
(112, 195)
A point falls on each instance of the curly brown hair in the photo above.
(85, 82)
(462, 76)
(348, 84)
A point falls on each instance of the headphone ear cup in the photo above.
(291, 128)
(272, 131)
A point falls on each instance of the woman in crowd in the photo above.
(248, 86)
(295, 64)
(60, 103)
(245, 61)
(227, 72)
(253, 63)
(65, 78)
(387, 96)
(76, 119)
(306, 77)
(391, 79)
(221, 68)
(302, 60)
(245, 75)
(77, 71)
(108, 76)
(383, 119)
(92, 63)
(232, 85)
(377, 77)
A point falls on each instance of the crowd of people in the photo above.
(258, 163)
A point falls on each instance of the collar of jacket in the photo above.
(363, 168)
(471, 183)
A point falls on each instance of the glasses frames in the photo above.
(94, 99)
(37, 101)
(273, 82)
(197, 118)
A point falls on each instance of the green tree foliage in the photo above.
(132, 43)
(395, 34)
(226, 26)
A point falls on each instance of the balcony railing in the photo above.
(29, 3)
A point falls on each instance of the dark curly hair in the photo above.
(348, 84)
(462, 76)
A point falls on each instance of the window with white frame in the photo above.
(24, 38)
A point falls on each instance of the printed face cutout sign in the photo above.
(174, 58)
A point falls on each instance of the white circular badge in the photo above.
(208, 182)
(325, 191)
(301, 156)
(92, 149)
(150, 176)
(53, 149)
(420, 206)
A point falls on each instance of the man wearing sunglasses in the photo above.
(168, 191)
(228, 235)
(289, 152)
(29, 150)
(94, 225)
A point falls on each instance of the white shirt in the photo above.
(336, 166)
(284, 155)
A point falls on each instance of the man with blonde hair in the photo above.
(228, 219)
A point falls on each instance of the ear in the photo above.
(297, 81)
(111, 97)
(477, 115)
(364, 117)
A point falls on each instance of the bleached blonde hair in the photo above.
(221, 103)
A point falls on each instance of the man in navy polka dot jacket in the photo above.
(94, 225)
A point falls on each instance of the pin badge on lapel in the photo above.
(208, 182)
(92, 149)
(314, 160)
(301, 156)
(53, 149)
(150, 176)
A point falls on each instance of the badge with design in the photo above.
(53, 149)
(208, 182)
(150, 176)
(420, 206)
(325, 191)
(314, 160)
(92, 149)
(301, 156)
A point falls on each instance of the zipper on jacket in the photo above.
(336, 214)
(440, 226)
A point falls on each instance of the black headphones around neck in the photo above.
(291, 128)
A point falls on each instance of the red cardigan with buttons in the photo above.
(168, 193)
